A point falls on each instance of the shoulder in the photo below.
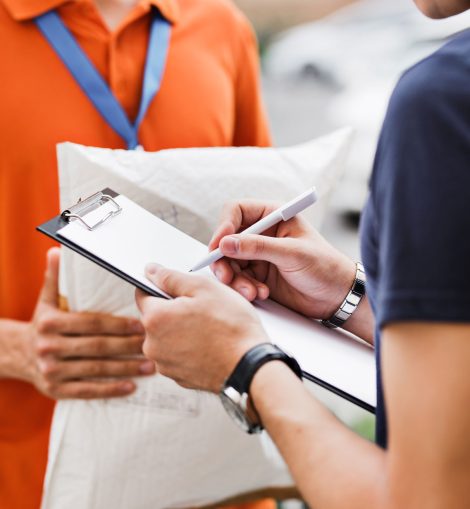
(419, 191)
(429, 109)
(434, 87)
(426, 131)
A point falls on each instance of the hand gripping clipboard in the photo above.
(122, 237)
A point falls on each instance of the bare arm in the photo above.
(427, 390)
(13, 356)
(63, 353)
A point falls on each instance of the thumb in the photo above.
(254, 247)
(172, 282)
(50, 288)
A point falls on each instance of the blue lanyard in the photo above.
(94, 86)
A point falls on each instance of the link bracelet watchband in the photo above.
(351, 302)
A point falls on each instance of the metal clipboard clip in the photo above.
(88, 205)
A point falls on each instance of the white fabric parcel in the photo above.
(165, 446)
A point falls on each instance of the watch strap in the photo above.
(245, 370)
(351, 301)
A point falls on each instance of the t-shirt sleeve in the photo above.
(421, 195)
(251, 125)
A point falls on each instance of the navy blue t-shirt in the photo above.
(415, 229)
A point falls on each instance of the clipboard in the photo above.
(99, 229)
(77, 212)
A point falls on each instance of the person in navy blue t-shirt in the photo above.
(416, 309)
(416, 223)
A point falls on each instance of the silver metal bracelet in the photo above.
(351, 302)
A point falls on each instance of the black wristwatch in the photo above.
(235, 391)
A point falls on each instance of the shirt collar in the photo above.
(22, 10)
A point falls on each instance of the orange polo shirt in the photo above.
(209, 97)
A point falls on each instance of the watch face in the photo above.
(232, 400)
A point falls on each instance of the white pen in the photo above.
(284, 213)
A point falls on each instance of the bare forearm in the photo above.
(13, 359)
(332, 467)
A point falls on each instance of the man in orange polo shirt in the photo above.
(209, 96)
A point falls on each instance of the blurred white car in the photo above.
(359, 53)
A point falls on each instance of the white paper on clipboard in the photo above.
(135, 237)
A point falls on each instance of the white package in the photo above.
(166, 446)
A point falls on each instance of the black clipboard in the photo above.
(50, 228)
(75, 212)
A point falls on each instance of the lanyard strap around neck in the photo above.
(92, 83)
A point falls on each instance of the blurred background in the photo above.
(331, 63)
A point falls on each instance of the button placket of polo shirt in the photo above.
(126, 76)
(113, 71)
(84, 20)
(121, 75)
(91, 34)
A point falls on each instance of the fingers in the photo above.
(50, 289)
(238, 215)
(227, 269)
(254, 247)
(247, 282)
(249, 287)
(88, 324)
(235, 217)
(223, 271)
(95, 389)
(226, 228)
(67, 367)
(172, 282)
(90, 346)
(60, 371)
